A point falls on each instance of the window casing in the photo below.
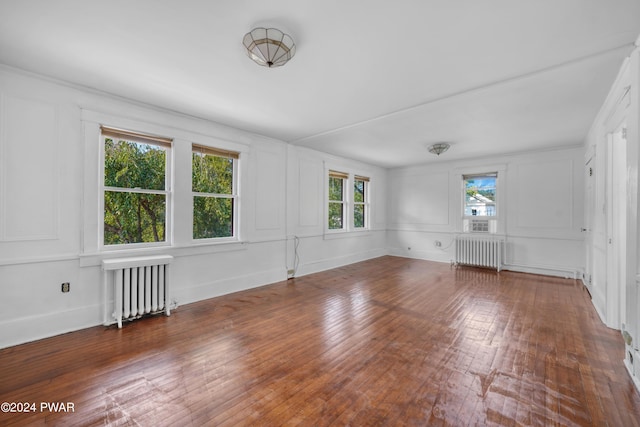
(480, 202)
(348, 202)
(214, 188)
(480, 195)
(135, 202)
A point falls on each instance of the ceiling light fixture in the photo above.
(439, 148)
(269, 47)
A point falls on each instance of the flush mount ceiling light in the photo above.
(269, 47)
(439, 148)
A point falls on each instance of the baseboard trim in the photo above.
(635, 379)
(221, 287)
(33, 328)
(424, 255)
(329, 263)
(556, 271)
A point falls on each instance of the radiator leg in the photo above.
(118, 298)
(167, 283)
(105, 281)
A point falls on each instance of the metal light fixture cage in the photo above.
(439, 148)
(269, 47)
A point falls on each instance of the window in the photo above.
(348, 204)
(360, 201)
(213, 180)
(135, 187)
(337, 202)
(480, 195)
(479, 206)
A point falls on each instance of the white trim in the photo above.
(329, 263)
(635, 379)
(148, 125)
(31, 328)
(347, 200)
(360, 232)
(234, 196)
(40, 259)
(95, 259)
(215, 288)
(545, 270)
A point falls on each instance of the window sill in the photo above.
(200, 248)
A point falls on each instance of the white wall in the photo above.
(622, 106)
(49, 198)
(317, 249)
(540, 209)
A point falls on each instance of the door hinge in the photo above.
(624, 133)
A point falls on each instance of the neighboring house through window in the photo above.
(480, 209)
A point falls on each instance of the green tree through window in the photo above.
(214, 195)
(360, 201)
(135, 196)
(336, 200)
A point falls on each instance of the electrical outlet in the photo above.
(66, 287)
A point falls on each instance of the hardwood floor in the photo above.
(390, 341)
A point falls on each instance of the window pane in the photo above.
(358, 216)
(358, 191)
(134, 217)
(335, 189)
(336, 216)
(134, 165)
(480, 196)
(211, 174)
(212, 217)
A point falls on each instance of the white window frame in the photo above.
(493, 221)
(348, 201)
(365, 204)
(234, 195)
(166, 145)
(344, 202)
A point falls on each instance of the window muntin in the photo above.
(135, 187)
(214, 186)
(360, 202)
(337, 202)
(480, 195)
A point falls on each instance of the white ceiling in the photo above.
(372, 80)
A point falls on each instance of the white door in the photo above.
(616, 226)
(590, 202)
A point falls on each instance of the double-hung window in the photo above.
(135, 187)
(348, 202)
(214, 186)
(480, 202)
(360, 202)
(337, 200)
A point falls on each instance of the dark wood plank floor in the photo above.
(390, 341)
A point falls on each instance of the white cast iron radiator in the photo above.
(479, 251)
(139, 286)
